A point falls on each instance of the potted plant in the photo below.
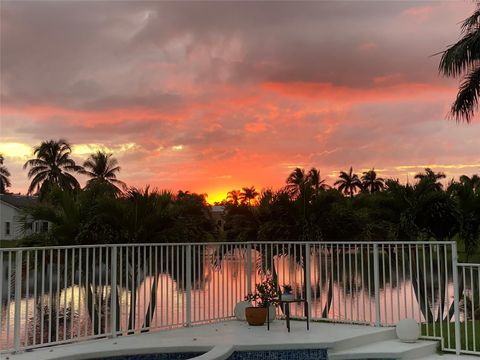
(265, 296)
(287, 294)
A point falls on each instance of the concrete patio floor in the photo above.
(220, 340)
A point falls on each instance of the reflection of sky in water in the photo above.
(216, 290)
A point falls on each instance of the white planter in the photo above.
(408, 330)
(287, 297)
(240, 309)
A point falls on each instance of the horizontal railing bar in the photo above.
(468, 265)
(234, 243)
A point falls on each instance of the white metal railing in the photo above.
(54, 295)
(469, 305)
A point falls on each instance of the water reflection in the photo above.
(72, 298)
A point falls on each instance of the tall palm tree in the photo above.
(316, 181)
(233, 197)
(463, 59)
(102, 167)
(371, 182)
(249, 195)
(52, 166)
(297, 182)
(348, 183)
(4, 177)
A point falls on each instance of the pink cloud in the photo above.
(420, 13)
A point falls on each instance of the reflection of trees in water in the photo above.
(427, 271)
(39, 330)
(142, 263)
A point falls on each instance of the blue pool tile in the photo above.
(307, 354)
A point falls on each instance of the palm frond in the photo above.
(462, 56)
(466, 102)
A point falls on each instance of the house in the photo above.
(11, 207)
(218, 216)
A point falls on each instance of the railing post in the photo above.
(456, 297)
(308, 286)
(189, 284)
(18, 299)
(249, 268)
(376, 279)
(113, 293)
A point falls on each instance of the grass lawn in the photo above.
(466, 343)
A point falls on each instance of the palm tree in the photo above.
(463, 59)
(296, 182)
(248, 195)
(371, 182)
(348, 182)
(316, 181)
(4, 177)
(473, 181)
(102, 167)
(233, 197)
(52, 166)
(430, 180)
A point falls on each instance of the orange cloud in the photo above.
(343, 94)
(255, 127)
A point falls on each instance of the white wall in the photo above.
(9, 214)
(12, 215)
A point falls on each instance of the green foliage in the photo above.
(266, 294)
(97, 215)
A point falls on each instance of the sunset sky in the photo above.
(212, 96)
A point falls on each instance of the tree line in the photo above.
(357, 207)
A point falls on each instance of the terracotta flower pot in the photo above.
(256, 316)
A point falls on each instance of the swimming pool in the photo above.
(303, 354)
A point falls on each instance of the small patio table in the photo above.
(286, 306)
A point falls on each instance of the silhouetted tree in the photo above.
(430, 180)
(372, 183)
(233, 197)
(102, 167)
(4, 177)
(52, 166)
(462, 59)
(249, 195)
(297, 182)
(316, 181)
(348, 183)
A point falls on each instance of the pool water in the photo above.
(304, 354)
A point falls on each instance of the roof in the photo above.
(18, 201)
(218, 208)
